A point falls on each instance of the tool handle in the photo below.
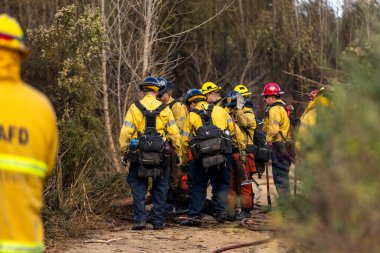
(268, 192)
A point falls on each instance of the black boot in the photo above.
(245, 213)
(158, 226)
(192, 222)
(139, 225)
(221, 217)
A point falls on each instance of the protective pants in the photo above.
(139, 187)
(178, 193)
(198, 179)
(280, 169)
(239, 174)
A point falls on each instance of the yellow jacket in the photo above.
(220, 119)
(276, 120)
(28, 147)
(309, 118)
(134, 122)
(247, 122)
(180, 112)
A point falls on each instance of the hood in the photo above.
(10, 65)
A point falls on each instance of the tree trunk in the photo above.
(107, 121)
(147, 36)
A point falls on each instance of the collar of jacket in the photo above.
(280, 101)
(10, 66)
(150, 96)
(171, 99)
(203, 105)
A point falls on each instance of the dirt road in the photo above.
(175, 238)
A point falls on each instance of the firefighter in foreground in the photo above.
(28, 144)
(178, 189)
(210, 129)
(277, 129)
(148, 127)
(241, 172)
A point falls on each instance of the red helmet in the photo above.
(272, 89)
(312, 95)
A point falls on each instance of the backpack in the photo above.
(259, 148)
(210, 143)
(151, 145)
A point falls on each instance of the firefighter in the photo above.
(178, 194)
(28, 144)
(207, 125)
(211, 91)
(148, 127)
(245, 119)
(309, 117)
(246, 116)
(178, 108)
(277, 130)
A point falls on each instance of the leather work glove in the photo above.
(239, 101)
(123, 160)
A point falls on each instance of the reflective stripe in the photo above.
(276, 122)
(13, 247)
(229, 120)
(22, 164)
(170, 123)
(184, 133)
(182, 118)
(131, 125)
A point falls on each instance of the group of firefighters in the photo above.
(181, 145)
(200, 140)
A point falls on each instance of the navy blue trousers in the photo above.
(198, 179)
(280, 170)
(139, 187)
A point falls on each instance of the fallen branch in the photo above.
(102, 241)
(241, 245)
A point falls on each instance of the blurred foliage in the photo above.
(338, 210)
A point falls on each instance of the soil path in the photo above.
(175, 238)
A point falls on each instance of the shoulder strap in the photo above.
(205, 115)
(150, 116)
(172, 103)
(278, 104)
(283, 105)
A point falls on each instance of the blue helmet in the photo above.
(192, 95)
(165, 86)
(231, 98)
(150, 82)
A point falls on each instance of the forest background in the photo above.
(89, 57)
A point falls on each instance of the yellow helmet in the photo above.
(209, 87)
(11, 35)
(242, 89)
